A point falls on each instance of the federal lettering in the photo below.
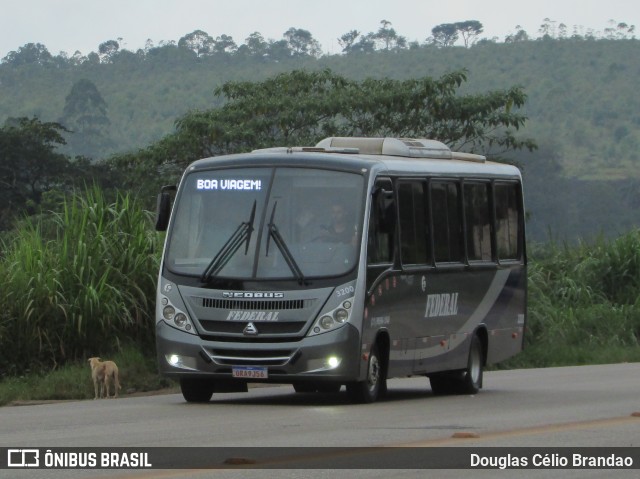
(440, 305)
(251, 316)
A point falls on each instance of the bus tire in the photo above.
(466, 381)
(196, 389)
(471, 380)
(368, 391)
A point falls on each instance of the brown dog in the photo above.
(103, 374)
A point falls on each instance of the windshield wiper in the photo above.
(282, 246)
(241, 235)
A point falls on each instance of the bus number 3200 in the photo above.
(345, 291)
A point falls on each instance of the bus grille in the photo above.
(262, 357)
(257, 305)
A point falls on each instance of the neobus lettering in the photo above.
(229, 184)
(445, 304)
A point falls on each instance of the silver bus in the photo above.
(343, 264)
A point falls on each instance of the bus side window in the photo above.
(382, 224)
(507, 221)
(447, 224)
(478, 221)
(413, 219)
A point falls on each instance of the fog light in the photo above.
(174, 359)
(333, 362)
(326, 322)
(346, 305)
(180, 320)
(168, 312)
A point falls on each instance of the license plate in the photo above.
(249, 372)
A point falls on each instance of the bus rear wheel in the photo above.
(471, 380)
(467, 381)
(196, 389)
(374, 385)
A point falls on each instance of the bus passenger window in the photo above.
(413, 223)
(478, 218)
(507, 220)
(447, 227)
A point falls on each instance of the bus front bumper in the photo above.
(332, 356)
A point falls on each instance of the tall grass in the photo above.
(77, 282)
(584, 303)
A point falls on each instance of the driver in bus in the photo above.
(340, 229)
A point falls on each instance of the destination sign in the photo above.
(229, 185)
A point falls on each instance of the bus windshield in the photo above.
(254, 223)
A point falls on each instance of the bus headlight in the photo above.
(180, 319)
(341, 315)
(174, 317)
(168, 312)
(330, 320)
(326, 322)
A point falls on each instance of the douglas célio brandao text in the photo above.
(549, 461)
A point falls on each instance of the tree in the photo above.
(198, 41)
(445, 35)
(302, 43)
(108, 49)
(300, 108)
(224, 44)
(347, 40)
(278, 50)
(520, 36)
(30, 53)
(619, 30)
(470, 30)
(388, 37)
(256, 45)
(29, 164)
(366, 44)
(85, 113)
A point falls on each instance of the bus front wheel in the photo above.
(196, 389)
(374, 385)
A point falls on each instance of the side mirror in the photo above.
(163, 208)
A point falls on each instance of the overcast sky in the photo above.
(70, 25)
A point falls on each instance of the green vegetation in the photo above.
(301, 108)
(78, 283)
(584, 306)
(582, 105)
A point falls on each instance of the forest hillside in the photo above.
(583, 108)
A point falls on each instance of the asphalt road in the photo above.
(590, 406)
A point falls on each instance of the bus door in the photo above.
(386, 288)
